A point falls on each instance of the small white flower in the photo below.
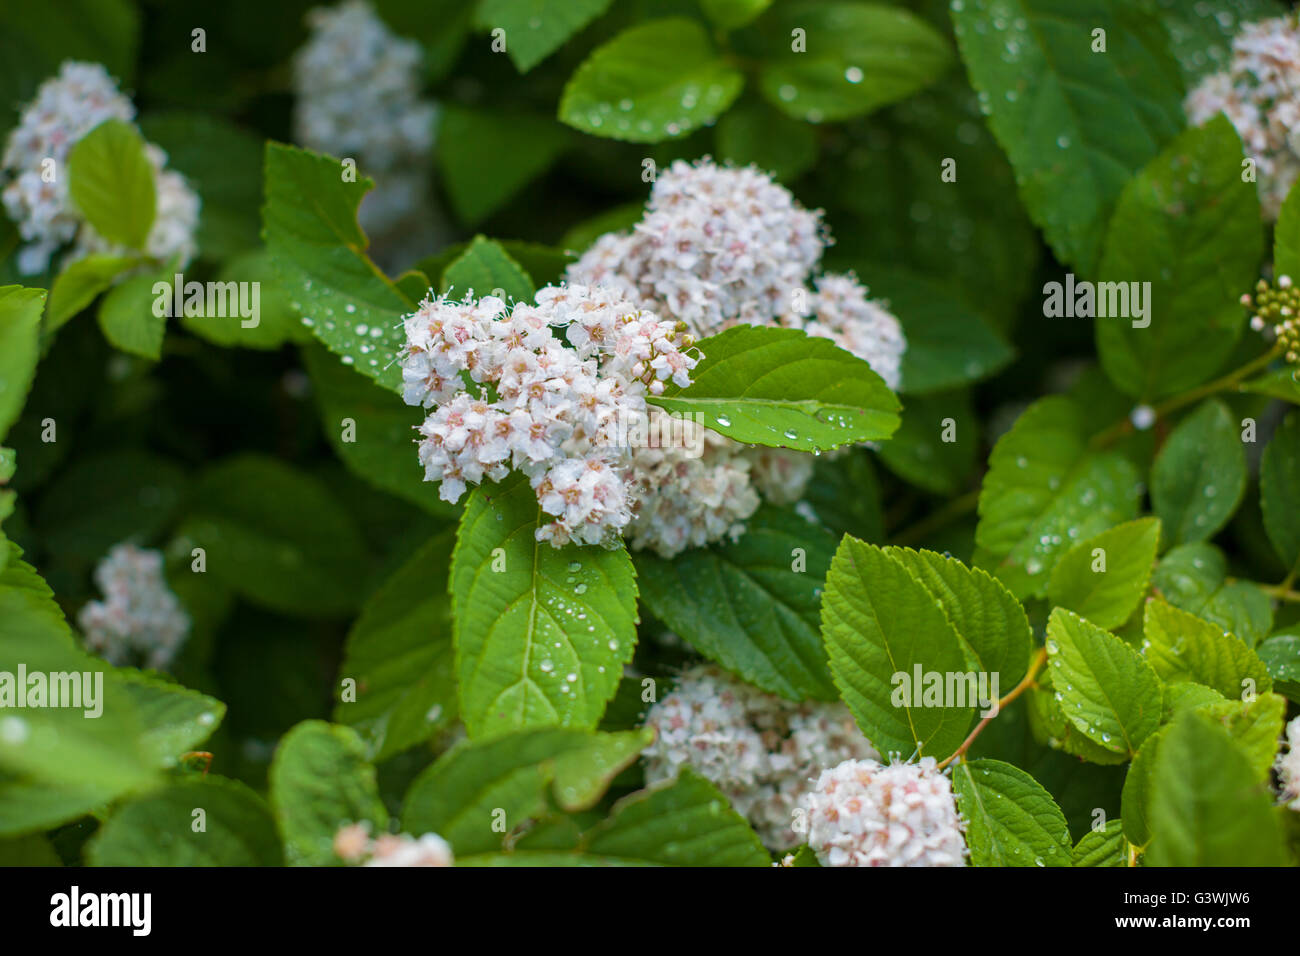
(1288, 766)
(139, 618)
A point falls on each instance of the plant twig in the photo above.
(1029, 680)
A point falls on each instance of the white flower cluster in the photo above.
(864, 813)
(719, 246)
(353, 844)
(66, 108)
(1288, 766)
(1260, 95)
(557, 414)
(759, 749)
(139, 618)
(357, 89)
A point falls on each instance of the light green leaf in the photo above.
(1052, 727)
(878, 621)
(654, 81)
(275, 322)
(1286, 237)
(1255, 725)
(1193, 577)
(1200, 475)
(20, 321)
(1189, 227)
(1281, 655)
(1106, 587)
(173, 719)
(1283, 383)
(320, 779)
(77, 285)
(783, 389)
(1107, 690)
(534, 29)
(730, 14)
(399, 652)
(1136, 798)
(128, 320)
(1180, 646)
(483, 269)
(110, 180)
(1104, 847)
(743, 604)
(1279, 489)
(1075, 124)
(542, 633)
(1010, 819)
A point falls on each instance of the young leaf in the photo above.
(1182, 647)
(1010, 819)
(78, 284)
(1104, 577)
(1075, 123)
(1189, 223)
(1104, 847)
(534, 29)
(110, 180)
(128, 320)
(783, 389)
(652, 82)
(878, 621)
(542, 633)
(20, 321)
(1255, 725)
(321, 779)
(1107, 690)
(1200, 475)
(1279, 489)
(752, 605)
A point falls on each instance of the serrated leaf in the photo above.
(1181, 647)
(1281, 655)
(544, 640)
(110, 180)
(652, 82)
(743, 605)
(857, 58)
(311, 232)
(879, 621)
(173, 719)
(1107, 690)
(1200, 475)
(534, 29)
(77, 285)
(20, 321)
(1011, 820)
(1136, 814)
(482, 269)
(321, 779)
(1106, 588)
(1279, 489)
(1255, 725)
(157, 829)
(1104, 847)
(1194, 577)
(1044, 489)
(1052, 727)
(478, 154)
(1207, 806)
(1190, 227)
(784, 389)
(1075, 124)
(399, 652)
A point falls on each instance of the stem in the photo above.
(1027, 682)
(955, 508)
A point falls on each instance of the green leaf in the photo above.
(34, 850)
(878, 621)
(985, 614)
(1106, 587)
(685, 822)
(1104, 847)
(1200, 475)
(20, 322)
(483, 269)
(380, 445)
(756, 133)
(1255, 725)
(400, 654)
(1194, 577)
(110, 179)
(1107, 690)
(1200, 34)
(730, 14)
(1010, 819)
(479, 157)
(1207, 806)
(1282, 383)
(1279, 489)
(534, 29)
(1044, 489)
(1182, 647)
(173, 719)
(1075, 124)
(783, 389)
(1286, 237)
(654, 81)
(310, 227)
(277, 537)
(743, 604)
(77, 285)
(321, 779)
(162, 828)
(128, 320)
(271, 320)
(1189, 223)
(858, 58)
(462, 795)
(1281, 655)
(1136, 811)
(936, 444)
(1051, 726)
(542, 634)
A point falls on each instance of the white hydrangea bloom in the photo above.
(66, 108)
(760, 750)
(1288, 766)
(357, 89)
(864, 813)
(139, 618)
(1260, 95)
(353, 844)
(559, 415)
